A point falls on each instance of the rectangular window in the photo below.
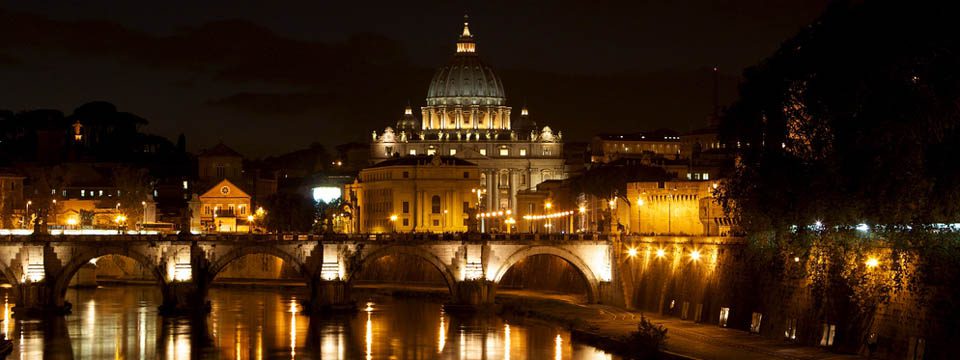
(466, 206)
(546, 152)
(413, 151)
(185, 185)
(431, 152)
(706, 176)
(406, 222)
(523, 152)
(466, 174)
(755, 322)
(406, 207)
(483, 152)
(724, 315)
(829, 330)
(436, 222)
(504, 152)
(406, 174)
(453, 152)
(791, 331)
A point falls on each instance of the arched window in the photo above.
(435, 204)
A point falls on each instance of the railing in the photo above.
(388, 237)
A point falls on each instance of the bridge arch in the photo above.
(222, 261)
(62, 280)
(410, 250)
(575, 261)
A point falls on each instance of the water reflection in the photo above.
(122, 323)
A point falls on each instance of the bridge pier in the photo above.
(36, 299)
(184, 298)
(476, 294)
(329, 296)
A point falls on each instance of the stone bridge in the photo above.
(41, 267)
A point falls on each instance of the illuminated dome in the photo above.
(465, 94)
(465, 80)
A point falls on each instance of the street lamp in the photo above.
(250, 219)
(393, 222)
(26, 215)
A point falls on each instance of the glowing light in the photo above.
(94, 261)
(548, 205)
(369, 307)
(558, 348)
(72, 221)
(695, 255)
(639, 202)
(863, 227)
(293, 328)
(506, 341)
(326, 194)
(393, 217)
(872, 262)
(368, 337)
(796, 259)
(661, 253)
(442, 338)
(631, 252)
(249, 218)
(583, 209)
(612, 202)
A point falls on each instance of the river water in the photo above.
(122, 323)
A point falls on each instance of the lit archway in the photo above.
(403, 251)
(570, 258)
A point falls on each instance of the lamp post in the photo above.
(26, 215)
(548, 205)
(144, 221)
(250, 219)
(393, 222)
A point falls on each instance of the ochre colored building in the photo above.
(224, 208)
(415, 194)
(675, 208)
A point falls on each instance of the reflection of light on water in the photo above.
(259, 342)
(142, 331)
(463, 344)
(236, 341)
(331, 348)
(293, 328)
(506, 341)
(6, 316)
(442, 338)
(558, 351)
(369, 335)
(91, 322)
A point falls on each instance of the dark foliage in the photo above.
(853, 120)
(289, 212)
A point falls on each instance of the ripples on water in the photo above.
(122, 323)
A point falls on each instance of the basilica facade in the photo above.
(466, 116)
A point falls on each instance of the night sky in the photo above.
(270, 77)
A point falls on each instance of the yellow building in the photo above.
(224, 208)
(415, 194)
(675, 207)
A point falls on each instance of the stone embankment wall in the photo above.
(721, 282)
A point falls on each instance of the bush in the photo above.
(646, 342)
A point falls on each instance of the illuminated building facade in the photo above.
(225, 208)
(415, 194)
(675, 208)
(466, 116)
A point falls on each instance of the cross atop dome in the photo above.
(465, 44)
